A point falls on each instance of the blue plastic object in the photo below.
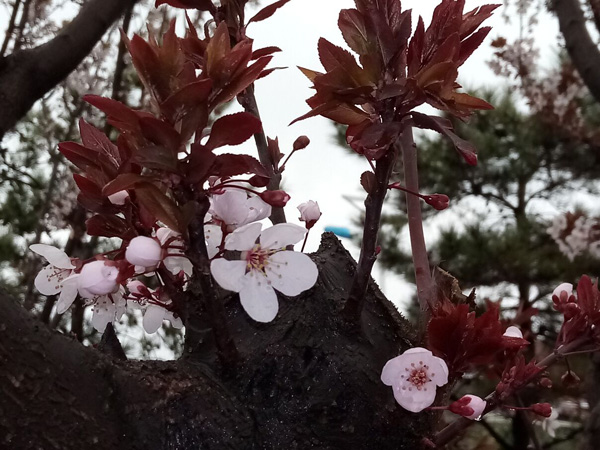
(340, 231)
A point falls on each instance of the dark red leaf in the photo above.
(93, 138)
(444, 127)
(156, 157)
(123, 182)
(163, 208)
(161, 133)
(264, 52)
(79, 155)
(200, 164)
(469, 45)
(354, 30)
(229, 165)
(233, 129)
(241, 82)
(267, 11)
(333, 57)
(108, 226)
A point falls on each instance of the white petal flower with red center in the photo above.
(108, 309)
(265, 265)
(235, 208)
(57, 276)
(414, 377)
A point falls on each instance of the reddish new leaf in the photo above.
(163, 208)
(354, 30)
(123, 182)
(267, 11)
(233, 129)
(264, 52)
(79, 155)
(444, 126)
(241, 82)
(333, 57)
(229, 165)
(157, 157)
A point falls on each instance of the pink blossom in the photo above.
(564, 289)
(264, 267)
(175, 260)
(235, 208)
(154, 316)
(108, 309)
(514, 332)
(144, 252)
(414, 377)
(309, 213)
(97, 278)
(469, 406)
(118, 198)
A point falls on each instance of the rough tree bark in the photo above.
(307, 380)
(583, 51)
(26, 75)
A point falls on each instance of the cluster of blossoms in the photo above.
(576, 234)
(264, 264)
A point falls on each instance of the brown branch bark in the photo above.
(11, 28)
(303, 381)
(583, 51)
(25, 76)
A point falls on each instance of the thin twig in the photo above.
(248, 101)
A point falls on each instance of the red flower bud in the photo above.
(275, 198)
(545, 382)
(541, 409)
(301, 142)
(438, 201)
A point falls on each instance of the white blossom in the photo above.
(108, 309)
(414, 377)
(154, 316)
(174, 260)
(309, 213)
(265, 266)
(97, 278)
(144, 251)
(236, 209)
(118, 198)
(514, 332)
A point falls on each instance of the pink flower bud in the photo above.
(97, 278)
(143, 251)
(309, 213)
(563, 290)
(301, 142)
(545, 382)
(541, 409)
(570, 379)
(136, 287)
(514, 332)
(275, 198)
(438, 201)
(118, 198)
(469, 406)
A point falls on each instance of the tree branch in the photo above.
(27, 75)
(580, 46)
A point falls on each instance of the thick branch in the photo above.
(368, 249)
(415, 222)
(27, 75)
(580, 46)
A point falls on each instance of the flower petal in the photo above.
(103, 313)
(415, 401)
(281, 235)
(391, 371)
(176, 322)
(439, 370)
(67, 295)
(243, 238)
(48, 281)
(176, 264)
(54, 256)
(258, 298)
(213, 236)
(230, 207)
(229, 274)
(153, 318)
(258, 209)
(291, 272)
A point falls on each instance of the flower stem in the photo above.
(304, 243)
(248, 101)
(415, 223)
(368, 249)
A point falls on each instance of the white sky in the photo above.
(324, 172)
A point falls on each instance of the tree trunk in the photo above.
(306, 380)
(27, 75)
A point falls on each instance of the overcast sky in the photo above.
(324, 172)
